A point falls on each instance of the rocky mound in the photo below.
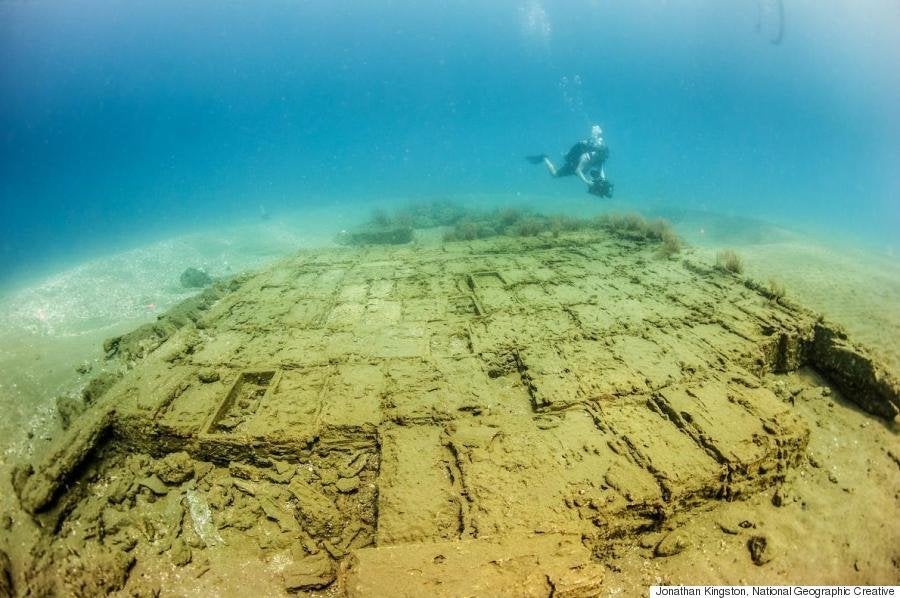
(346, 417)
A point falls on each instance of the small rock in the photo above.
(118, 490)
(174, 468)
(335, 550)
(219, 498)
(202, 468)
(328, 476)
(180, 553)
(245, 487)
(354, 465)
(208, 375)
(193, 539)
(245, 472)
(316, 511)
(281, 472)
(649, 541)
(280, 478)
(728, 527)
(760, 550)
(771, 428)
(100, 572)
(673, 543)
(312, 572)
(778, 498)
(282, 467)
(98, 386)
(68, 409)
(276, 514)
(138, 465)
(347, 485)
(154, 485)
(242, 520)
(126, 542)
(84, 367)
(194, 278)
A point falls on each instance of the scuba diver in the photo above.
(585, 159)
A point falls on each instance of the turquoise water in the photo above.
(122, 123)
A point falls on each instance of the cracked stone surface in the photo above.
(347, 416)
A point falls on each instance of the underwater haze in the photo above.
(127, 122)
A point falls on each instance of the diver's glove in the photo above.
(536, 159)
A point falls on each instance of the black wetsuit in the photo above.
(596, 158)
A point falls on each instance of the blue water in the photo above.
(127, 121)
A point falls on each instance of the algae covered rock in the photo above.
(91, 571)
(761, 551)
(315, 511)
(375, 234)
(347, 485)
(193, 278)
(174, 468)
(672, 543)
(145, 339)
(208, 375)
(311, 572)
(154, 485)
(98, 386)
(180, 553)
(68, 408)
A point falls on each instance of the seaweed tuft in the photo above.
(729, 261)
(776, 290)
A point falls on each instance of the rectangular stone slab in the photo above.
(63, 457)
(416, 496)
(681, 465)
(530, 476)
(740, 426)
(351, 397)
(289, 411)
